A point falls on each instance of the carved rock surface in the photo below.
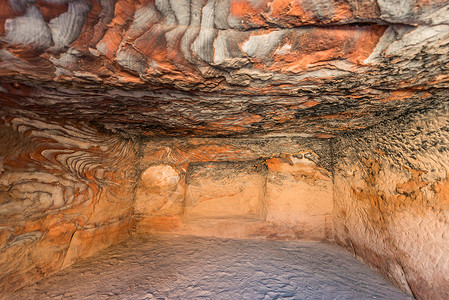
(222, 68)
(391, 201)
(224, 190)
(65, 193)
(278, 188)
(312, 119)
(160, 176)
(299, 197)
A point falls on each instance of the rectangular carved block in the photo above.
(299, 199)
(225, 190)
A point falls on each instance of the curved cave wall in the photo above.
(66, 192)
(391, 200)
(318, 120)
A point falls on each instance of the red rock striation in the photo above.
(284, 119)
(65, 193)
(279, 66)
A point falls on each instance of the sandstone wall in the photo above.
(65, 193)
(224, 67)
(273, 187)
(392, 200)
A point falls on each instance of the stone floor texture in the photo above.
(187, 267)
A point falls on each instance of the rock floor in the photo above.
(186, 267)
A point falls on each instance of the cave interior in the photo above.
(310, 120)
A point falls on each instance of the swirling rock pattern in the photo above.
(94, 93)
(65, 193)
(155, 67)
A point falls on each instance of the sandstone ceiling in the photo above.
(223, 67)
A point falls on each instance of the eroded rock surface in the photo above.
(391, 201)
(286, 119)
(277, 188)
(215, 68)
(65, 193)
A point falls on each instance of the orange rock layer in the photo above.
(65, 193)
(311, 67)
(314, 119)
(390, 199)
